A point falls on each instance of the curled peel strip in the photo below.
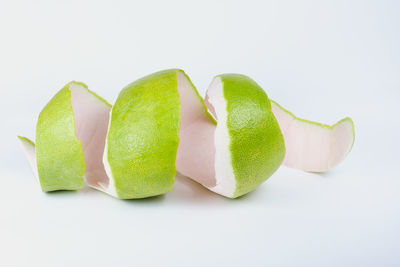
(160, 125)
(313, 146)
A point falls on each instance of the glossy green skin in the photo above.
(250, 120)
(143, 136)
(59, 153)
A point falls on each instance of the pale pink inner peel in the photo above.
(196, 151)
(91, 125)
(310, 146)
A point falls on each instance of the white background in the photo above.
(323, 60)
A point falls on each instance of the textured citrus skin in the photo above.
(59, 153)
(143, 136)
(250, 119)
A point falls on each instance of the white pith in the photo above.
(92, 118)
(312, 147)
(108, 188)
(30, 153)
(195, 155)
(224, 175)
(342, 139)
(203, 152)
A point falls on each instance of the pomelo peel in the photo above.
(230, 142)
(313, 146)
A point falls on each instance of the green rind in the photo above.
(143, 136)
(26, 140)
(59, 153)
(250, 120)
